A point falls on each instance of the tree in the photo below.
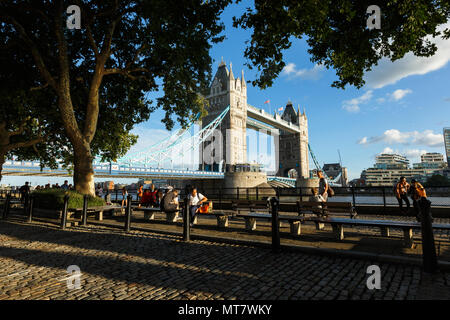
(437, 180)
(337, 34)
(25, 111)
(101, 73)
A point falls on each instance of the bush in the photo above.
(53, 199)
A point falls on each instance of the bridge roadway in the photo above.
(273, 120)
(30, 168)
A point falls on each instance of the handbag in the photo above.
(330, 192)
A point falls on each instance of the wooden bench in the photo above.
(338, 227)
(222, 218)
(294, 222)
(149, 213)
(326, 208)
(98, 210)
(249, 205)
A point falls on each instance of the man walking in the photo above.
(401, 193)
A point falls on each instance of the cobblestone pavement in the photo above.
(115, 265)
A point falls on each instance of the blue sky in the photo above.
(403, 107)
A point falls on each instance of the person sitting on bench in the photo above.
(170, 202)
(316, 197)
(195, 202)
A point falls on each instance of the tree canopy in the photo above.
(337, 34)
(101, 73)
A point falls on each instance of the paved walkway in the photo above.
(115, 265)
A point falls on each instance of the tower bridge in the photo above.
(221, 140)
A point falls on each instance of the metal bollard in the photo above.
(64, 213)
(84, 213)
(274, 202)
(26, 202)
(30, 208)
(128, 214)
(186, 221)
(6, 208)
(428, 246)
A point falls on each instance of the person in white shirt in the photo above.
(195, 201)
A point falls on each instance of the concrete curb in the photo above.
(360, 255)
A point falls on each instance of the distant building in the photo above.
(447, 143)
(391, 161)
(389, 168)
(432, 160)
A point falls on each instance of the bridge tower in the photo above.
(293, 147)
(226, 90)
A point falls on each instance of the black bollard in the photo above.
(30, 208)
(64, 212)
(186, 221)
(128, 214)
(6, 208)
(428, 246)
(274, 202)
(26, 202)
(84, 213)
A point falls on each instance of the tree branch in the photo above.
(35, 52)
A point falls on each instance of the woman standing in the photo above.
(124, 196)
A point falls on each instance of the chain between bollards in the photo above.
(128, 214)
(274, 202)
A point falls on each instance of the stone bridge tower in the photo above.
(226, 90)
(293, 147)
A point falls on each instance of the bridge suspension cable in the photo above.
(175, 145)
(316, 163)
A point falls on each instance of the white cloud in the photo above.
(291, 71)
(394, 136)
(388, 72)
(388, 150)
(353, 104)
(400, 94)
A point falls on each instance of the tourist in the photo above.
(57, 186)
(65, 186)
(316, 197)
(401, 193)
(146, 198)
(170, 202)
(99, 191)
(417, 192)
(124, 197)
(24, 190)
(323, 186)
(159, 197)
(153, 195)
(140, 195)
(195, 202)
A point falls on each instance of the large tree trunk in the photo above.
(83, 174)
